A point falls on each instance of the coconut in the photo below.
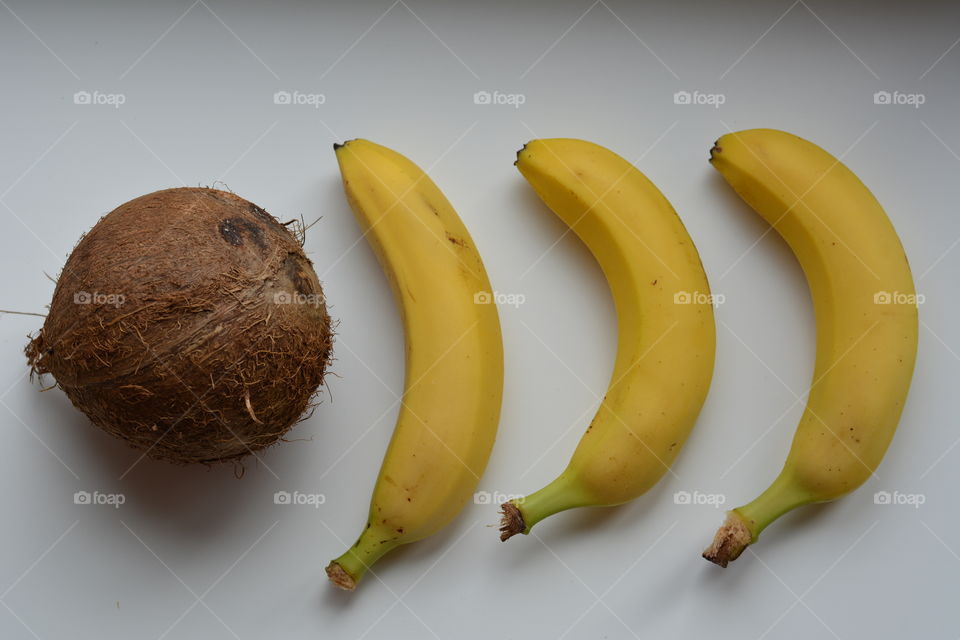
(190, 323)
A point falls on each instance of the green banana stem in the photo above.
(519, 515)
(744, 524)
(347, 570)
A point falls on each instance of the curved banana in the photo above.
(666, 335)
(866, 320)
(450, 406)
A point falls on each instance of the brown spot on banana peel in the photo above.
(460, 242)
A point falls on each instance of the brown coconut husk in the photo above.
(190, 323)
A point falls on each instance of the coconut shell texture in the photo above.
(190, 323)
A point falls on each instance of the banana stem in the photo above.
(521, 514)
(744, 524)
(347, 570)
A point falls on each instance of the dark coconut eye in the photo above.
(190, 323)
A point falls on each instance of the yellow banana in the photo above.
(866, 320)
(666, 332)
(450, 406)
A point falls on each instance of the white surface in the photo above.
(199, 554)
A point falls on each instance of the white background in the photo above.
(197, 553)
